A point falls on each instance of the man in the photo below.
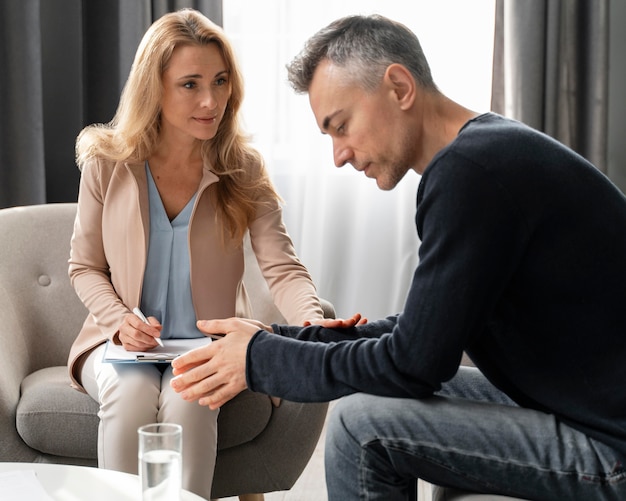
(522, 265)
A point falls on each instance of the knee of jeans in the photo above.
(339, 441)
(346, 418)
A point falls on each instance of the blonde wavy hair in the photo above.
(133, 132)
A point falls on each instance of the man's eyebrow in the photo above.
(326, 122)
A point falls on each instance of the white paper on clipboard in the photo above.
(114, 353)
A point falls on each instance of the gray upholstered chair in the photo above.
(260, 448)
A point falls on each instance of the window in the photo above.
(358, 242)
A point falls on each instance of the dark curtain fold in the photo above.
(551, 63)
(22, 174)
(64, 65)
(210, 8)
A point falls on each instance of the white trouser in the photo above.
(131, 395)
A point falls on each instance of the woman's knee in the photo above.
(129, 386)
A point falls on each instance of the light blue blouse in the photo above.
(166, 292)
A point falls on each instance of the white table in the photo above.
(78, 483)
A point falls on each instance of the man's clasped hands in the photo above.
(215, 373)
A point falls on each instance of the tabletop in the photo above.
(72, 483)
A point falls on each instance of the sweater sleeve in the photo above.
(333, 350)
(470, 235)
(321, 334)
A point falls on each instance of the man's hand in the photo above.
(339, 323)
(216, 373)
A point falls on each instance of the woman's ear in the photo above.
(402, 83)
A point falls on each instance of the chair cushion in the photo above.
(55, 419)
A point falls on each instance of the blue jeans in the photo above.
(469, 436)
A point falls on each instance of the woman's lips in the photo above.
(205, 120)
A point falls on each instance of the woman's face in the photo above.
(196, 90)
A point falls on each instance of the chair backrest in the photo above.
(41, 313)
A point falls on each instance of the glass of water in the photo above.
(160, 461)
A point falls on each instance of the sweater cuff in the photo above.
(249, 362)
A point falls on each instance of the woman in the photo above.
(168, 190)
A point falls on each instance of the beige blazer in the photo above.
(109, 250)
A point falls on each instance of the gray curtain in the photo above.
(551, 63)
(64, 63)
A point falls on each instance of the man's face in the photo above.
(366, 127)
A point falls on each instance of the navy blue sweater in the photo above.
(522, 264)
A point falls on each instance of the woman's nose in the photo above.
(208, 100)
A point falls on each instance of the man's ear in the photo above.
(399, 78)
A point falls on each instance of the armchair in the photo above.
(260, 448)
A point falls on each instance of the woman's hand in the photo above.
(338, 323)
(136, 335)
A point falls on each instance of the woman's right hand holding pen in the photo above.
(135, 334)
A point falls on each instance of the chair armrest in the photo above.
(327, 308)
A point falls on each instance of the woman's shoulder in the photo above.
(99, 165)
(101, 171)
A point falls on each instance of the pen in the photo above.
(138, 312)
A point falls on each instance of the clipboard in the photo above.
(172, 348)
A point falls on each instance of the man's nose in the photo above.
(341, 154)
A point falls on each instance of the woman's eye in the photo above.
(189, 85)
(221, 81)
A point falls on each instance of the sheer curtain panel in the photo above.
(359, 242)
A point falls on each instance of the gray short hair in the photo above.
(365, 46)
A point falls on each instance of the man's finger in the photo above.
(192, 358)
(218, 326)
(218, 397)
(195, 382)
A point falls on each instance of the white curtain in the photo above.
(358, 242)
